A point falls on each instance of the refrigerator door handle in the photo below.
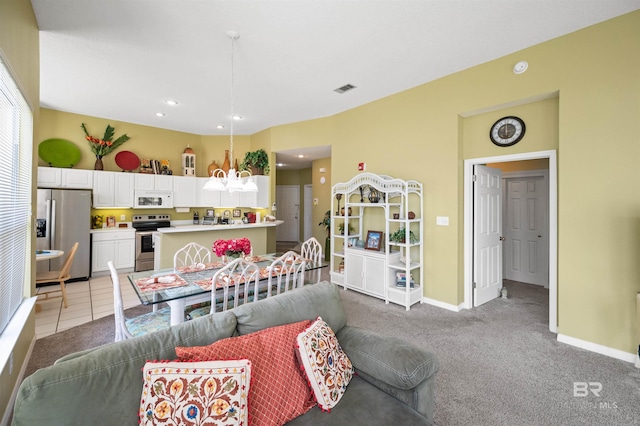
(47, 225)
(53, 224)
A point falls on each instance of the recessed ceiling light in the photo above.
(159, 114)
(300, 156)
(171, 102)
(219, 126)
(237, 117)
(279, 164)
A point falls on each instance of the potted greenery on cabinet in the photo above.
(256, 161)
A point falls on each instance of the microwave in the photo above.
(153, 199)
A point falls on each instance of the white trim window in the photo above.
(16, 150)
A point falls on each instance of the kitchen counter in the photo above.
(205, 228)
(167, 241)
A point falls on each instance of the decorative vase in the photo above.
(327, 249)
(236, 168)
(227, 164)
(98, 165)
(232, 255)
(212, 167)
(374, 195)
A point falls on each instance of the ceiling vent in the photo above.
(344, 88)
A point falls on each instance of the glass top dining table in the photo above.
(179, 287)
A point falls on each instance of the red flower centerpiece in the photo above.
(233, 248)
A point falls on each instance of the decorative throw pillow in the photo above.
(279, 390)
(327, 366)
(195, 393)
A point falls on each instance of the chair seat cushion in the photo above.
(150, 322)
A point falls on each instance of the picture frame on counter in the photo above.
(210, 213)
(111, 221)
(237, 212)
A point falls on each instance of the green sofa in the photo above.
(394, 383)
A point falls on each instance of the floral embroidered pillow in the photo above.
(327, 367)
(190, 393)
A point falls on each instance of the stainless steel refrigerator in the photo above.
(64, 217)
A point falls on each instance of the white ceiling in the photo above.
(122, 59)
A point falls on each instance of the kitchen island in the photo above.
(168, 241)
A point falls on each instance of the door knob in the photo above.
(501, 238)
(539, 236)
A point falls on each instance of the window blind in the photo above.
(16, 141)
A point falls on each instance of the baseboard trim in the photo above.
(442, 305)
(594, 347)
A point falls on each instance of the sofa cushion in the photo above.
(326, 366)
(389, 359)
(113, 371)
(279, 391)
(310, 302)
(195, 392)
(363, 404)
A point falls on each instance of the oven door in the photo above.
(145, 253)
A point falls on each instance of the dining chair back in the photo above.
(286, 273)
(58, 277)
(126, 328)
(239, 281)
(191, 254)
(312, 250)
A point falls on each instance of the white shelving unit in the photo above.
(373, 272)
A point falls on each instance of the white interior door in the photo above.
(526, 235)
(487, 234)
(288, 203)
(308, 206)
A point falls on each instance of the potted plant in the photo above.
(326, 222)
(256, 161)
(341, 229)
(400, 236)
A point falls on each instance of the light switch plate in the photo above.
(442, 220)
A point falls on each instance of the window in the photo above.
(16, 144)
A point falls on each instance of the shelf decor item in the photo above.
(233, 248)
(188, 162)
(374, 240)
(104, 146)
(400, 236)
(59, 153)
(256, 161)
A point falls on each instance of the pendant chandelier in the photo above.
(233, 180)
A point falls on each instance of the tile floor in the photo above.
(87, 300)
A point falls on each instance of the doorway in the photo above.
(288, 204)
(552, 225)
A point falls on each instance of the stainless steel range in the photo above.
(145, 225)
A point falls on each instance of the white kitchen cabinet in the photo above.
(54, 177)
(205, 198)
(146, 181)
(112, 189)
(116, 246)
(264, 188)
(185, 191)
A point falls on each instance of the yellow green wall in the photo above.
(19, 49)
(580, 96)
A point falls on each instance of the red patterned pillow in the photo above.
(195, 392)
(279, 390)
(328, 368)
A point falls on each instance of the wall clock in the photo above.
(507, 131)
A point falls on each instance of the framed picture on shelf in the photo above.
(209, 213)
(352, 241)
(374, 240)
(237, 213)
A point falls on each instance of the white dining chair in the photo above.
(286, 273)
(191, 254)
(127, 328)
(312, 250)
(239, 281)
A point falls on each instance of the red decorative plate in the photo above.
(127, 160)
